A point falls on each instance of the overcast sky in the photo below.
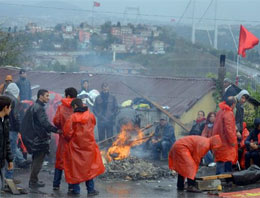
(247, 10)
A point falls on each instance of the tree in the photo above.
(106, 27)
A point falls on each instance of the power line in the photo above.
(122, 13)
(185, 10)
(205, 11)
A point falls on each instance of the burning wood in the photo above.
(128, 137)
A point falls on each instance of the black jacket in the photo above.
(231, 91)
(5, 150)
(36, 129)
(197, 128)
(25, 89)
(239, 117)
(253, 136)
(105, 108)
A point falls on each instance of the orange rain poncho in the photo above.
(225, 127)
(63, 112)
(82, 158)
(186, 153)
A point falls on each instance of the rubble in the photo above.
(133, 168)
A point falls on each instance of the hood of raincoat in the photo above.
(241, 93)
(224, 106)
(13, 89)
(66, 101)
(215, 142)
(82, 115)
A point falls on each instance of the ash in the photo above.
(133, 168)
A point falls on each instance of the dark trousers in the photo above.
(163, 146)
(181, 180)
(57, 178)
(254, 155)
(105, 130)
(223, 167)
(37, 161)
(89, 184)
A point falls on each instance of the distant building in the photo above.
(84, 37)
(125, 30)
(158, 47)
(116, 31)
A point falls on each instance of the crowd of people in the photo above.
(219, 139)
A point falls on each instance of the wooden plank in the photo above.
(160, 108)
(212, 177)
(12, 186)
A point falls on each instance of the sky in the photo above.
(228, 11)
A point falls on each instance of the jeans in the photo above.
(105, 130)
(89, 184)
(208, 158)
(223, 167)
(254, 155)
(163, 146)
(180, 182)
(57, 178)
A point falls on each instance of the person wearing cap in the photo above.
(163, 139)
(24, 85)
(229, 89)
(8, 80)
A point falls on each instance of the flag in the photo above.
(96, 4)
(246, 41)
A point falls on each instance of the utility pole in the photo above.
(216, 27)
(193, 23)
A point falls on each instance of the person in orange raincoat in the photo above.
(225, 127)
(242, 147)
(64, 111)
(82, 158)
(185, 156)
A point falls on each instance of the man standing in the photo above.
(229, 89)
(36, 134)
(163, 139)
(5, 151)
(63, 112)
(105, 109)
(225, 127)
(82, 159)
(25, 86)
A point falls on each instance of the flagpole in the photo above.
(238, 57)
(92, 13)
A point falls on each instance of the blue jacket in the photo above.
(167, 133)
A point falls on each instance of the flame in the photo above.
(128, 137)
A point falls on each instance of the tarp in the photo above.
(253, 193)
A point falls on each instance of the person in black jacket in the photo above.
(198, 124)
(163, 139)
(36, 135)
(5, 150)
(25, 86)
(253, 145)
(105, 108)
(229, 89)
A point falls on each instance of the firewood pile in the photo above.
(133, 168)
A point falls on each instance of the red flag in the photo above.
(246, 41)
(96, 4)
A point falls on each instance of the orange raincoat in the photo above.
(63, 112)
(225, 127)
(186, 153)
(82, 158)
(245, 134)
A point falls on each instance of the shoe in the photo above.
(55, 188)
(193, 189)
(72, 193)
(38, 184)
(212, 164)
(93, 193)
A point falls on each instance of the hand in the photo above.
(239, 135)
(10, 166)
